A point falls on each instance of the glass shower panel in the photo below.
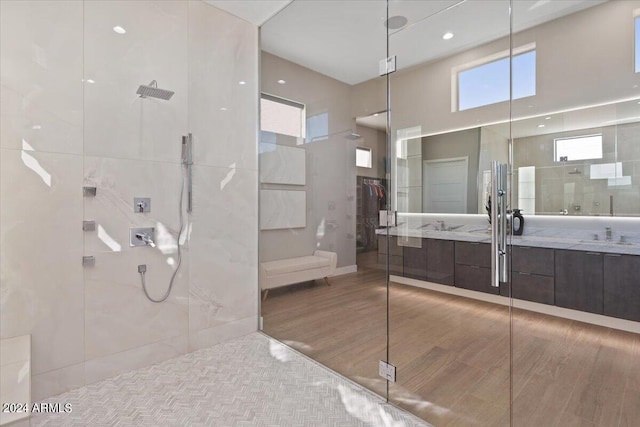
(575, 329)
(322, 261)
(135, 114)
(448, 326)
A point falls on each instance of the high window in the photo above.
(637, 43)
(486, 82)
(282, 116)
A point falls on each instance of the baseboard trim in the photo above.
(580, 316)
(345, 270)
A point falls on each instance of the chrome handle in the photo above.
(498, 223)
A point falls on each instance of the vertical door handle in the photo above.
(498, 223)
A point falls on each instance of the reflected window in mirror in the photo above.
(578, 148)
(363, 157)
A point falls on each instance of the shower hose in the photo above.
(175, 272)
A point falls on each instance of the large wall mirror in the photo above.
(577, 162)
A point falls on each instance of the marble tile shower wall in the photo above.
(70, 117)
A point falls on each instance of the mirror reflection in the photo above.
(577, 162)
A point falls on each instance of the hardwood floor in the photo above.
(452, 354)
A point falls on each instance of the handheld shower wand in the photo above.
(187, 162)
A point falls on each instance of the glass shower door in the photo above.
(449, 314)
(575, 269)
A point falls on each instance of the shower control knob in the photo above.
(142, 204)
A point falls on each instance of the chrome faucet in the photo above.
(441, 225)
(148, 240)
(609, 234)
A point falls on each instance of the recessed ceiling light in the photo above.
(118, 29)
(447, 36)
(548, 118)
(540, 126)
(376, 115)
(281, 82)
(223, 109)
(396, 22)
(242, 82)
(91, 81)
(36, 127)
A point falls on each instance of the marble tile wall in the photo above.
(70, 117)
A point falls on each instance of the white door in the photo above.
(444, 185)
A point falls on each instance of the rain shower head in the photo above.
(151, 90)
(353, 136)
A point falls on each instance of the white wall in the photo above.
(70, 117)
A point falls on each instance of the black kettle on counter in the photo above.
(517, 222)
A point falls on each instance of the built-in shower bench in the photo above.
(283, 272)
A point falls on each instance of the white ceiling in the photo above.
(346, 39)
(377, 121)
(255, 11)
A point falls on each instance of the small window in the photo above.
(282, 116)
(578, 148)
(637, 43)
(318, 127)
(488, 83)
(363, 157)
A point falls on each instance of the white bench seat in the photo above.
(283, 272)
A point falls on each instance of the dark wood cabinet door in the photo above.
(470, 253)
(415, 261)
(532, 287)
(440, 261)
(474, 278)
(526, 259)
(622, 286)
(579, 280)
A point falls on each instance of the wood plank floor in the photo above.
(452, 354)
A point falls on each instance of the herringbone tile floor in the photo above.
(250, 381)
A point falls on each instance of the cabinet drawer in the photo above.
(440, 263)
(579, 280)
(533, 260)
(474, 278)
(622, 286)
(393, 240)
(532, 287)
(415, 262)
(469, 253)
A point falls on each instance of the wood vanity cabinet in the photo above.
(532, 277)
(433, 261)
(579, 280)
(473, 267)
(622, 286)
(415, 261)
(440, 261)
(395, 258)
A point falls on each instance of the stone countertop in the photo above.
(579, 240)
